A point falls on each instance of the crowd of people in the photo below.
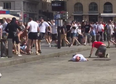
(26, 35)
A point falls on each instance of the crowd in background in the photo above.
(25, 36)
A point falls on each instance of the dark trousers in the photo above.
(101, 36)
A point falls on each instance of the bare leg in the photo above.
(73, 41)
(29, 45)
(39, 46)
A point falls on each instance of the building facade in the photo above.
(91, 10)
(27, 8)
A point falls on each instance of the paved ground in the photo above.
(46, 53)
(58, 70)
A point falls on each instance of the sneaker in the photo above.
(108, 46)
(3, 57)
(78, 44)
(85, 44)
(107, 55)
(69, 45)
(89, 56)
(49, 45)
(37, 53)
(19, 55)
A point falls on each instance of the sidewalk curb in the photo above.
(14, 61)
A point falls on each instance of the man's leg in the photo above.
(29, 46)
(101, 51)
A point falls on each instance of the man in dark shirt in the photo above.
(63, 36)
(68, 29)
(87, 28)
(11, 29)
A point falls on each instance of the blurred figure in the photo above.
(100, 30)
(54, 31)
(11, 29)
(78, 58)
(5, 34)
(22, 27)
(42, 30)
(93, 34)
(68, 30)
(1, 28)
(87, 30)
(74, 34)
(48, 34)
(101, 49)
(110, 31)
(32, 35)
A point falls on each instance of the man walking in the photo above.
(42, 30)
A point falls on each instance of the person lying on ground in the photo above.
(78, 58)
(101, 49)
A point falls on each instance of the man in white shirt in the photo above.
(54, 31)
(78, 58)
(42, 30)
(100, 30)
(32, 36)
(110, 31)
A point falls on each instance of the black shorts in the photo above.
(41, 36)
(54, 37)
(48, 33)
(16, 39)
(101, 49)
(114, 34)
(32, 35)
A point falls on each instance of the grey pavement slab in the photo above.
(46, 53)
(57, 70)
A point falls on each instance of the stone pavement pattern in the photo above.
(58, 70)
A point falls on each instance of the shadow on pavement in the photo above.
(103, 59)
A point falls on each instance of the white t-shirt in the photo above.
(33, 26)
(110, 29)
(100, 27)
(1, 27)
(79, 31)
(82, 58)
(74, 30)
(43, 26)
(54, 28)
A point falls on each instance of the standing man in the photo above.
(87, 30)
(32, 36)
(42, 30)
(101, 49)
(54, 31)
(100, 30)
(110, 31)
